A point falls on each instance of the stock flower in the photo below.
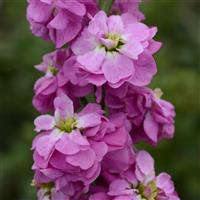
(59, 189)
(128, 6)
(63, 144)
(57, 79)
(59, 20)
(152, 118)
(143, 185)
(115, 50)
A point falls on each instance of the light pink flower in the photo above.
(57, 68)
(59, 20)
(115, 50)
(128, 6)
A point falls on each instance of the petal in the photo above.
(92, 61)
(132, 49)
(83, 159)
(79, 139)
(88, 120)
(100, 149)
(64, 107)
(145, 162)
(66, 146)
(136, 31)
(164, 182)
(85, 43)
(151, 127)
(98, 24)
(73, 6)
(60, 21)
(115, 24)
(44, 122)
(145, 69)
(117, 67)
(38, 11)
(45, 145)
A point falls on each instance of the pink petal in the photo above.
(145, 164)
(64, 107)
(100, 149)
(45, 145)
(117, 67)
(132, 49)
(73, 6)
(115, 24)
(88, 120)
(145, 69)
(60, 21)
(98, 24)
(92, 61)
(151, 127)
(85, 43)
(136, 31)
(84, 159)
(44, 122)
(164, 182)
(66, 146)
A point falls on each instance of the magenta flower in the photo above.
(152, 118)
(63, 144)
(128, 6)
(57, 20)
(57, 80)
(61, 189)
(144, 184)
(115, 50)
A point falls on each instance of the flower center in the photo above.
(112, 42)
(68, 125)
(53, 70)
(47, 187)
(148, 192)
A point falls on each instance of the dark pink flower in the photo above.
(152, 118)
(59, 20)
(57, 68)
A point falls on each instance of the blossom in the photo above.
(57, 79)
(115, 50)
(63, 144)
(144, 183)
(61, 189)
(152, 118)
(57, 20)
(128, 6)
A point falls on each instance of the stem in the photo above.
(106, 5)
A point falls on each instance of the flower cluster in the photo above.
(95, 104)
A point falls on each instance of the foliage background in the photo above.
(178, 22)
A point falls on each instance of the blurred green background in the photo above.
(178, 22)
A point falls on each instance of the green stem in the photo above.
(106, 5)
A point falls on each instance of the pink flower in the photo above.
(57, 20)
(57, 80)
(129, 6)
(59, 189)
(144, 184)
(63, 144)
(115, 50)
(152, 118)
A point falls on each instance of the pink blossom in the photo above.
(144, 185)
(129, 6)
(115, 50)
(57, 20)
(152, 118)
(58, 79)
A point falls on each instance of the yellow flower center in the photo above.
(68, 125)
(148, 192)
